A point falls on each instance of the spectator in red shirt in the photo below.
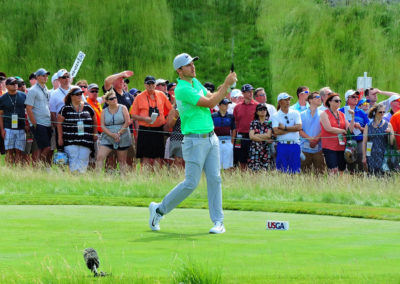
(244, 114)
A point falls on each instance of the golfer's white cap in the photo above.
(183, 59)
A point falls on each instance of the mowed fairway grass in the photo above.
(44, 244)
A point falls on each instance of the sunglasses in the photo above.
(94, 91)
(77, 94)
(82, 87)
(111, 99)
(381, 112)
(317, 97)
(353, 97)
(64, 77)
(287, 119)
(261, 95)
(150, 83)
(262, 109)
(161, 84)
(337, 101)
(305, 92)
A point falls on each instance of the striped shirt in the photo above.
(70, 126)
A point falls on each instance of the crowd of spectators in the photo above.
(314, 132)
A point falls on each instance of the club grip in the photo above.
(232, 67)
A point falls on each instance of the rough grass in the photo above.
(355, 196)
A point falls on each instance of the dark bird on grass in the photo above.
(92, 261)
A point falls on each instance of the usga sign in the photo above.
(278, 225)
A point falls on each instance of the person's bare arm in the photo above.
(216, 97)
(29, 112)
(328, 127)
(110, 79)
(127, 119)
(386, 93)
(172, 117)
(60, 120)
(3, 131)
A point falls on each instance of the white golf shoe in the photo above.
(154, 221)
(218, 228)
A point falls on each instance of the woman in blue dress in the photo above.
(375, 140)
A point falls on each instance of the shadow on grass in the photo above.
(164, 236)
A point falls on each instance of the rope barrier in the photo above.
(241, 138)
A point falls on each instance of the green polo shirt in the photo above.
(194, 119)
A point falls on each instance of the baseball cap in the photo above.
(41, 72)
(93, 86)
(225, 102)
(393, 98)
(75, 90)
(349, 93)
(32, 76)
(162, 81)
(235, 93)
(183, 59)
(54, 77)
(261, 106)
(20, 81)
(247, 88)
(149, 79)
(133, 91)
(11, 81)
(283, 96)
(209, 86)
(362, 101)
(170, 85)
(61, 73)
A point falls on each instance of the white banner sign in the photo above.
(77, 64)
(364, 82)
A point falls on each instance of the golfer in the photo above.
(200, 146)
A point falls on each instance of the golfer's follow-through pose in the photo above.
(200, 145)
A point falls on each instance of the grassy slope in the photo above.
(45, 243)
(278, 45)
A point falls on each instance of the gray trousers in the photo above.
(199, 154)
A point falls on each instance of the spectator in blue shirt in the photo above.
(360, 121)
(224, 126)
(302, 95)
(311, 136)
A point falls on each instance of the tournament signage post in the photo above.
(77, 64)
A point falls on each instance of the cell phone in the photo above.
(153, 117)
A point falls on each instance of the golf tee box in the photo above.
(277, 225)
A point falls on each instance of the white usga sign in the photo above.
(277, 225)
(77, 64)
(364, 83)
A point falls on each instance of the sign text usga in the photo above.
(278, 225)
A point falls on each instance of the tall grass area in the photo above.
(318, 45)
(115, 35)
(277, 44)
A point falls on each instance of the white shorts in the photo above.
(78, 157)
(226, 153)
